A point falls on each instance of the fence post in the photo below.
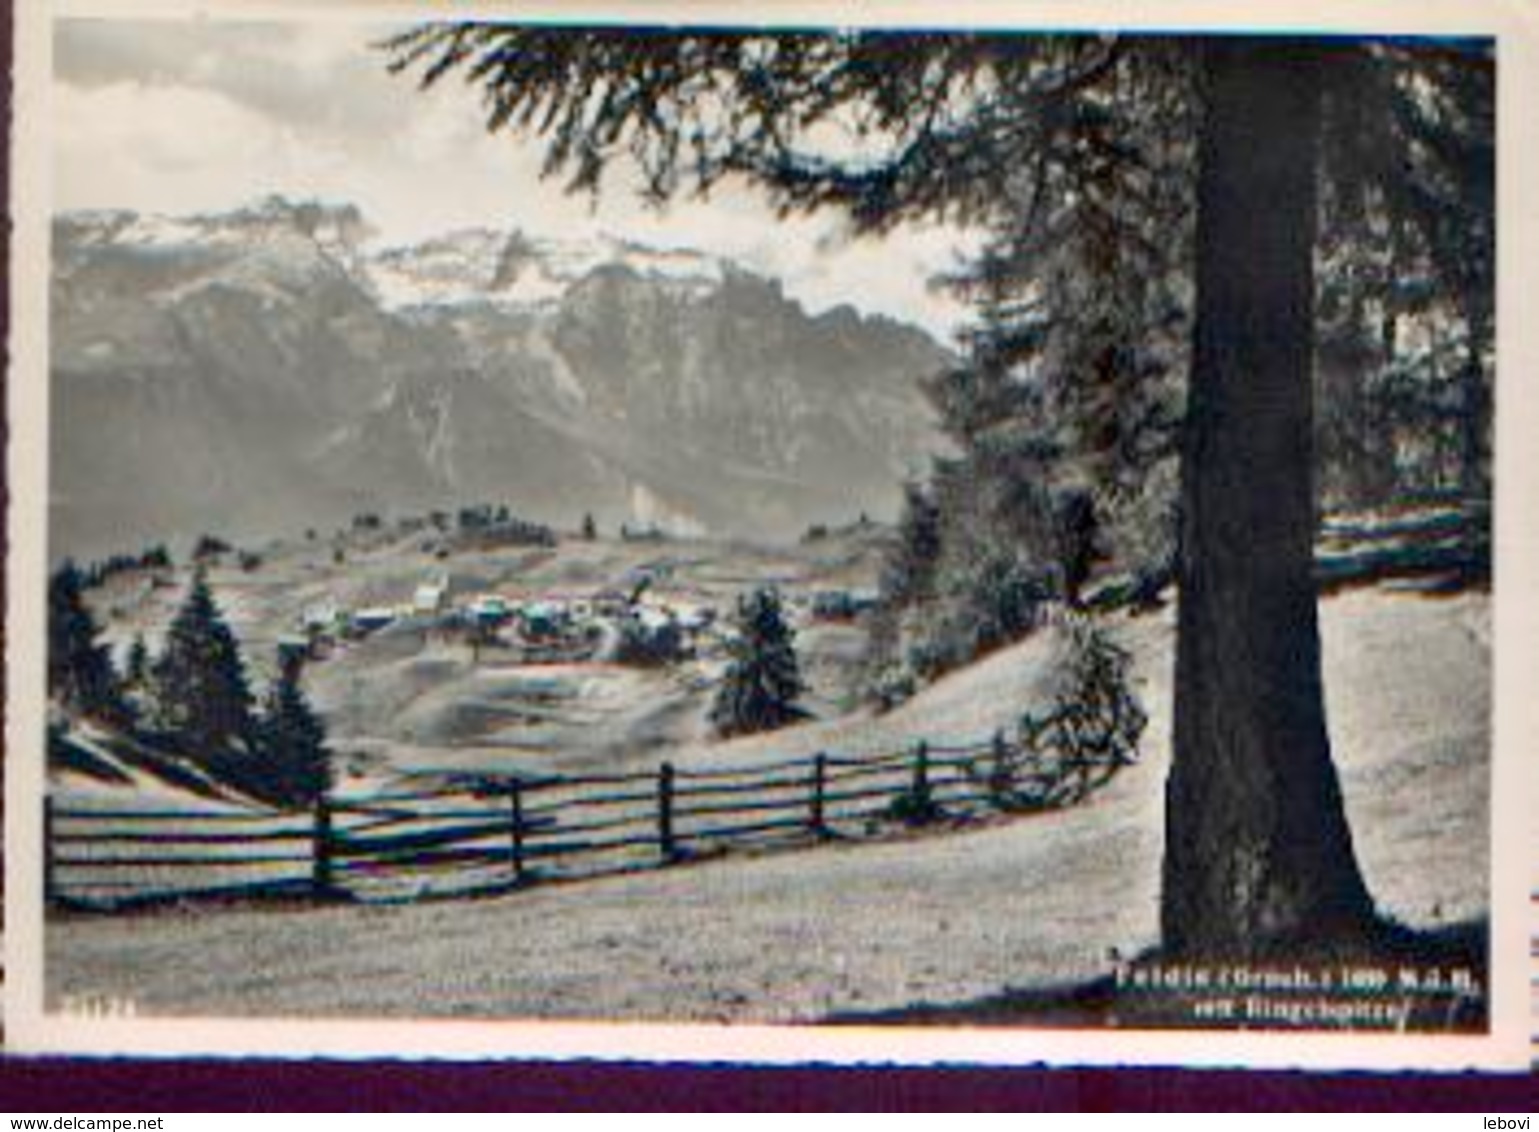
(50, 886)
(665, 842)
(1000, 776)
(321, 876)
(516, 816)
(921, 789)
(819, 783)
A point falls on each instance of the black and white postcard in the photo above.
(829, 534)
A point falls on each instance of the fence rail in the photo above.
(494, 833)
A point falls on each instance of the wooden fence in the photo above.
(487, 834)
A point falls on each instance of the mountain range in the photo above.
(273, 368)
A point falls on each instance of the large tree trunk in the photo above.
(1258, 856)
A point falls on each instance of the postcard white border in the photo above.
(1514, 23)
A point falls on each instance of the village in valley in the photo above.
(448, 665)
(436, 646)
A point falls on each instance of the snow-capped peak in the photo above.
(513, 269)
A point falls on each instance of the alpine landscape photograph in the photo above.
(845, 530)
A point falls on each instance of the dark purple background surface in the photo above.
(195, 1086)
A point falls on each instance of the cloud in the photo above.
(182, 115)
(129, 146)
(312, 76)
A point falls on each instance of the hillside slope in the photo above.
(804, 934)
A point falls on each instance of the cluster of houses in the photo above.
(548, 624)
(545, 620)
(843, 605)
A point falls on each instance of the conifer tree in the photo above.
(136, 668)
(296, 761)
(763, 680)
(910, 568)
(202, 698)
(80, 672)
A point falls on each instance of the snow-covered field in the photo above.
(945, 917)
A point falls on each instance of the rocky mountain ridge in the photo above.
(272, 368)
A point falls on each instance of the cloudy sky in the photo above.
(182, 115)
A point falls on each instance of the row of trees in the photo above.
(100, 573)
(194, 698)
(1066, 415)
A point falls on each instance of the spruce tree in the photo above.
(80, 672)
(136, 669)
(202, 697)
(296, 763)
(763, 680)
(910, 568)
